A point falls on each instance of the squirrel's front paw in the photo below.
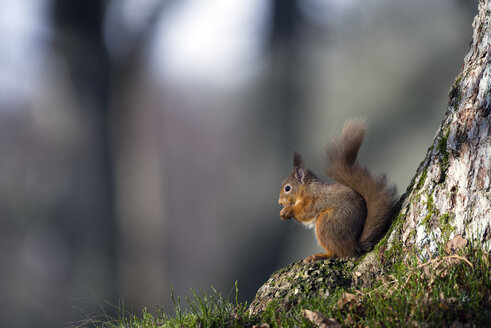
(286, 213)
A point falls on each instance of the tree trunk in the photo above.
(450, 194)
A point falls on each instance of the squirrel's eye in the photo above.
(287, 188)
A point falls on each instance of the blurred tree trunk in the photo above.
(78, 30)
(139, 191)
(128, 223)
(450, 194)
(139, 188)
(285, 70)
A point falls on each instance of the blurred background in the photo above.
(143, 142)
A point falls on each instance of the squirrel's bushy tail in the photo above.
(379, 196)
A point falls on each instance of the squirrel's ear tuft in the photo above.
(298, 167)
(298, 160)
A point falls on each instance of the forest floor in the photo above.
(452, 289)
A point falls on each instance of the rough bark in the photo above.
(450, 194)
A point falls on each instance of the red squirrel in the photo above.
(350, 215)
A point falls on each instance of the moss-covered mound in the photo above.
(299, 281)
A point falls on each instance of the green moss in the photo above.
(416, 198)
(455, 94)
(396, 228)
(431, 211)
(422, 179)
(445, 226)
(382, 244)
(412, 233)
(444, 155)
(442, 147)
(458, 79)
(393, 254)
(420, 167)
(398, 221)
(395, 251)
